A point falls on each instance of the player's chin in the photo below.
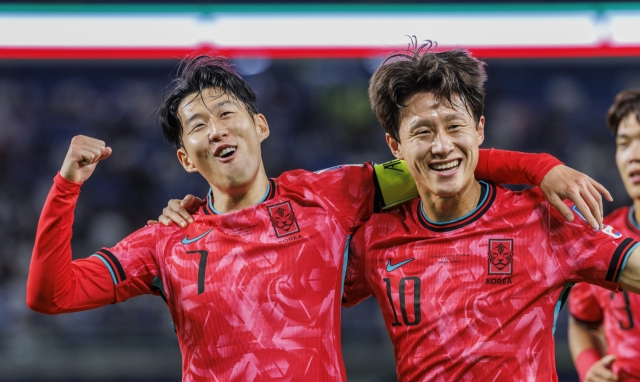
(446, 186)
(633, 189)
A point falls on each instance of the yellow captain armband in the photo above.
(396, 183)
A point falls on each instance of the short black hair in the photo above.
(421, 69)
(199, 73)
(627, 101)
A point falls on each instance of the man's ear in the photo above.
(262, 127)
(185, 161)
(480, 130)
(395, 146)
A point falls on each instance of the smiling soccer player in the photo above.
(470, 276)
(592, 307)
(254, 284)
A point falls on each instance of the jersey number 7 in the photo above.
(202, 266)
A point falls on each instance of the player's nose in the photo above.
(442, 144)
(217, 132)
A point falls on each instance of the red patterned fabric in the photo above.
(254, 294)
(475, 299)
(619, 313)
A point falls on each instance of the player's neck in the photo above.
(235, 199)
(636, 213)
(452, 207)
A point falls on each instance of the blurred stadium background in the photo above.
(101, 71)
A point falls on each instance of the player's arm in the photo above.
(586, 339)
(396, 186)
(557, 182)
(355, 287)
(56, 284)
(587, 347)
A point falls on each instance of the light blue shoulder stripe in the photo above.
(113, 274)
(632, 216)
(344, 265)
(560, 303)
(624, 262)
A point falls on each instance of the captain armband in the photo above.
(396, 183)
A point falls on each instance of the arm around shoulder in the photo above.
(513, 167)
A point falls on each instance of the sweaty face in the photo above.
(628, 154)
(221, 140)
(439, 143)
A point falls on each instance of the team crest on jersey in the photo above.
(283, 219)
(500, 256)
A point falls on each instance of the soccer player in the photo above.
(254, 284)
(469, 276)
(592, 308)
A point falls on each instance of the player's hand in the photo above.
(83, 156)
(563, 182)
(179, 211)
(601, 370)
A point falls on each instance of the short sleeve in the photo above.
(584, 254)
(356, 288)
(584, 307)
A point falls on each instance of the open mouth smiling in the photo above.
(225, 152)
(445, 167)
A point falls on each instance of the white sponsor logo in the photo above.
(609, 230)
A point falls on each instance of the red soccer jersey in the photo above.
(475, 299)
(254, 294)
(618, 312)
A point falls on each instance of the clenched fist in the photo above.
(83, 156)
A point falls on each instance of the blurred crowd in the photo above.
(319, 115)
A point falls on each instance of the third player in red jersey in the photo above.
(593, 308)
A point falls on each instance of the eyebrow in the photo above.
(428, 122)
(198, 115)
(454, 116)
(627, 136)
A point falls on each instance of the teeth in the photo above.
(226, 151)
(446, 166)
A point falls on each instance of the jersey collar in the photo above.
(209, 209)
(631, 220)
(487, 196)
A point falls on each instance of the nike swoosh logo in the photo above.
(393, 267)
(186, 239)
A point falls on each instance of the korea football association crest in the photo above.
(283, 219)
(500, 256)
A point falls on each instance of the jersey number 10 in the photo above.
(415, 281)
